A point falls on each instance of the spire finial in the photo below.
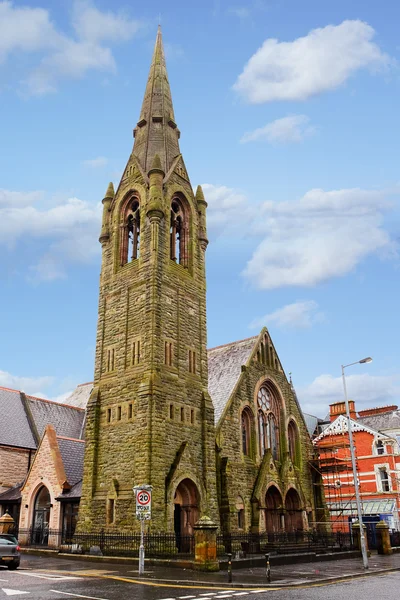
(110, 193)
(156, 131)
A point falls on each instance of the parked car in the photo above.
(9, 551)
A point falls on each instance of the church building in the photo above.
(216, 433)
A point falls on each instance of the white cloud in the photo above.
(93, 25)
(323, 235)
(95, 163)
(293, 128)
(24, 29)
(318, 62)
(366, 390)
(11, 198)
(59, 56)
(299, 315)
(25, 384)
(226, 207)
(68, 231)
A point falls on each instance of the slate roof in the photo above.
(11, 495)
(14, 424)
(382, 421)
(23, 419)
(72, 452)
(224, 368)
(74, 493)
(312, 423)
(80, 396)
(66, 420)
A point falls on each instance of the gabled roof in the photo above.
(23, 419)
(15, 429)
(339, 427)
(67, 420)
(224, 368)
(80, 396)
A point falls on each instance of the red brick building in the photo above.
(378, 466)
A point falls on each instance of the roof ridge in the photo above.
(9, 389)
(87, 383)
(253, 337)
(53, 402)
(64, 437)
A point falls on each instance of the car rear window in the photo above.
(7, 540)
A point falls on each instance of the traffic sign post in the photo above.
(143, 513)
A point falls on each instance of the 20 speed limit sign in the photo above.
(143, 505)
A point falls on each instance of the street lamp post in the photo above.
(353, 461)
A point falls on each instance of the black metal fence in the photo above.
(283, 543)
(157, 545)
(395, 538)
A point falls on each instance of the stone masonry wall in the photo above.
(142, 413)
(238, 473)
(14, 464)
(43, 472)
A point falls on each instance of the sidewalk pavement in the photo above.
(281, 575)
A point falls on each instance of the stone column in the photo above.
(205, 535)
(356, 536)
(383, 538)
(6, 523)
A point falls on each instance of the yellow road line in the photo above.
(205, 587)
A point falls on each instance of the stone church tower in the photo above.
(150, 418)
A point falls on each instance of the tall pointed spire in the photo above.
(156, 131)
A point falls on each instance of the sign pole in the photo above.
(141, 549)
(143, 513)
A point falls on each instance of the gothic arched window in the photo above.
(268, 421)
(130, 231)
(292, 441)
(246, 428)
(179, 233)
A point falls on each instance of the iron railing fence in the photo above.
(395, 538)
(157, 545)
(282, 542)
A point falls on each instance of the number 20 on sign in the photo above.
(143, 505)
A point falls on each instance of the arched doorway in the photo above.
(41, 517)
(186, 512)
(293, 516)
(273, 510)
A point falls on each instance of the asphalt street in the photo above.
(43, 578)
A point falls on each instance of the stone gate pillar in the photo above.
(383, 538)
(205, 535)
(6, 523)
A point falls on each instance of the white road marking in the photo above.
(241, 594)
(77, 595)
(209, 594)
(13, 592)
(186, 597)
(48, 576)
(6, 580)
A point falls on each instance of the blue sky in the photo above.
(289, 118)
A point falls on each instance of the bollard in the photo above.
(229, 568)
(268, 568)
